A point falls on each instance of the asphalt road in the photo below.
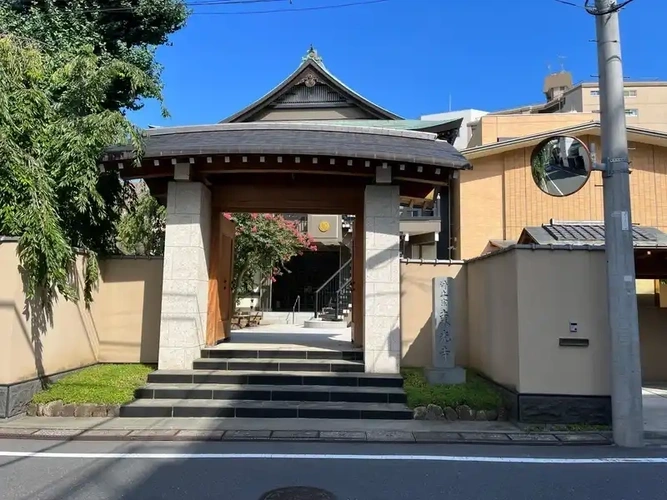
(202, 471)
(562, 182)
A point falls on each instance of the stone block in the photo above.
(68, 410)
(4, 391)
(382, 361)
(342, 436)
(113, 411)
(295, 435)
(52, 409)
(84, 410)
(394, 436)
(434, 412)
(448, 376)
(450, 413)
(465, 412)
(420, 413)
(246, 435)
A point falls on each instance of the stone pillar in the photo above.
(185, 275)
(382, 332)
(444, 323)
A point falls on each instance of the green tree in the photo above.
(122, 30)
(264, 244)
(53, 126)
(69, 69)
(141, 228)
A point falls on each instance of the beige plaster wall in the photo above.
(652, 331)
(122, 324)
(493, 318)
(554, 289)
(127, 310)
(32, 343)
(417, 310)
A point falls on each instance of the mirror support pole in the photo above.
(626, 381)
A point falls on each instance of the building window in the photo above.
(631, 112)
(595, 92)
(630, 93)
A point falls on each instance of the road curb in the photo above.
(423, 437)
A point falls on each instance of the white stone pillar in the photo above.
(185, 275)
(382, 331)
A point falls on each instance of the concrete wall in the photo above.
(417, 310)
(652, 331)
(127, 310)
(121, 326)
(498, 198)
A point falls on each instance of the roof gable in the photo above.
(310, 86)
(635, 134)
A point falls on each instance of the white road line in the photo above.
(307, 456)
(553, 183)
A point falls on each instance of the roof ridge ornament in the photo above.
(312, 55)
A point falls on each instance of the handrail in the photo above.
(297, 303)
(333, 276)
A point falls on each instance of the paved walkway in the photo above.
(289, 337)
(188, 429)
(655, 408)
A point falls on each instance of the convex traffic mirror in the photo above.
(561, 165)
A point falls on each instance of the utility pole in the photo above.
(626, 383)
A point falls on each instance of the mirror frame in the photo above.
(546, 141)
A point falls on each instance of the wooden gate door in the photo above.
(221, 271)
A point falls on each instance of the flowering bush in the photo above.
(264, 244)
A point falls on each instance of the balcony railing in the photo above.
(421, 213)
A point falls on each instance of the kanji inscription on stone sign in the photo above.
(443, 334)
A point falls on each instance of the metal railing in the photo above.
(421, 212)
(296, 308)
(328, 295)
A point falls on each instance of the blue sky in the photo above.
(408, 56)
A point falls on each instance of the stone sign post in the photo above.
(445, 325)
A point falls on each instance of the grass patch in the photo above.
(99, 384)
(477, 393)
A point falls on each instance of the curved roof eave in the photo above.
(290, 138)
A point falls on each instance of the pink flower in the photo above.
(254, 216)
(273, 280)
(254, 229)
(227, 215)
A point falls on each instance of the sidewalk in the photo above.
(214, 429)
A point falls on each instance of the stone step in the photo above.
(349, 355)
(279, 365)
(241, 377)
(212, 408)
(273, 392)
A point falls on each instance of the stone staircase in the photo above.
(270, 382)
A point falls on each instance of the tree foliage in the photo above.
(121, 30)
(69, 70)
(264, 244)
(141, 229)
(53, 127)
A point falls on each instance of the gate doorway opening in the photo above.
(304, 287)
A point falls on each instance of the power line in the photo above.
(614, 8)
(592, 10)
(196, 3)
(209, 3)
(296, 9)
